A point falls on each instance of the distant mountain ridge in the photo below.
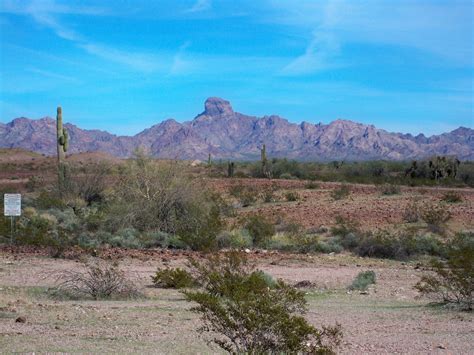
(227, 134)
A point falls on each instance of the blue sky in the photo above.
(124, 65)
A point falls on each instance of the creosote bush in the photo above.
(341, 192)
(242, 313)
(452, 280)
(173, 278)
(363, 280)
(260, 229)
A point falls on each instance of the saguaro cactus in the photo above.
(62, 145)
(230, 169)
(264, 161)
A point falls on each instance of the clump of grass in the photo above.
(173, 278)
(341, 192)
(363, 280)
(452, 197)
(311, 186)
(292, 196)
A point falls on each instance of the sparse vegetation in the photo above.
(292, 196)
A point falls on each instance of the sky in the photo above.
(124, 65)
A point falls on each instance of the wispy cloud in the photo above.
(434, 28)
(180, 65)
(47, 13)
(200, 5)
(53, 75)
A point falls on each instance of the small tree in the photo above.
(245, 314)
(453, 279)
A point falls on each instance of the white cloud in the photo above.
(200, 5)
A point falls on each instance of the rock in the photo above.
(20, 319)
(247, 251)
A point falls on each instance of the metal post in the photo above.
(11, 230)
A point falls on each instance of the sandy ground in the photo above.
(389, 319)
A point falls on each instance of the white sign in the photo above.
(12, 205)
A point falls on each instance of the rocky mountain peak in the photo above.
(215, 106)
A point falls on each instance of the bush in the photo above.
(157, 196)
(412, 212)
(341, 192)
(173, 278)
(242, 314)
(246, 195)
(383, 244)
(452, 197)
(234, 239)
(344, 226)
(260, 229)
(435, 216)
(390, 189)
(292, 196)
(453, 279)
(311, 186)
(363, 280)
(100, 281)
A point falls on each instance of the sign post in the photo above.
(12, 209)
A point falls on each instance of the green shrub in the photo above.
(173, 278)
(292, 196)
(453, 279)
(452, 197)
(156, 196)
(363, 280)
(341, 192)
(260, 229)
(237, 239)
(383, 244)
(242, 314)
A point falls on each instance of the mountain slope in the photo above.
(227, 134)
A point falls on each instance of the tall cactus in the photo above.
(264, 162)
(230, 169)
(62, 145)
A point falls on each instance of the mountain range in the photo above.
(226, 134)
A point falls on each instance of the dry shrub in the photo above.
(452, 197)
(341, 192)
(453, 279)
(411, 214)
(100, 280)
(173, 278)
(435, 216)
